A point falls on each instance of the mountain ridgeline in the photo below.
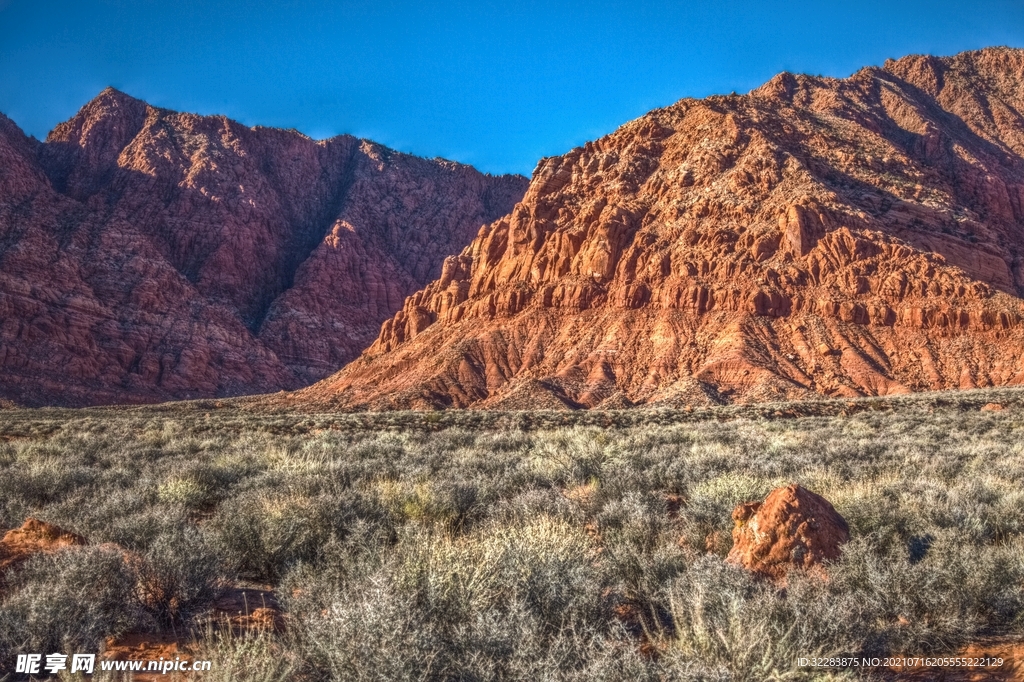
(148, 255)
(815, 237)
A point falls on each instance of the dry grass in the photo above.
(486, 546)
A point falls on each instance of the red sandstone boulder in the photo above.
(792, 528)
(34, 536)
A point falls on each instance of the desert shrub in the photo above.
(443, 503)
(501, 603)
(572, 456)
(705, 527)
(395, 642)
(524, 506)
(639, 551)
(544, 565)
(723, 492)
(137, 529)
(934, 602)
(70, 600)
(188, 491)
(725, 620)
(260, 535)
(870, 605)
(254, 656)
(179, 575)
(40, 477)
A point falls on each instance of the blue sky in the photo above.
(495, 84)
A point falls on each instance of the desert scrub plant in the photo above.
(442, 503)
(639, 555)
(198, 487)
(491, 604)
(251, 656)
(261, 534)
(572, 456)
(179, 576)
(545, 565)
(870, 605)
(187, 492)
(706, 521)
(931, 602)
(724, 619)
(70, 600)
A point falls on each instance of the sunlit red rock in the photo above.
(817, 236)
(31, 538)
(792, 529)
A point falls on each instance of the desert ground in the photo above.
(475, 545)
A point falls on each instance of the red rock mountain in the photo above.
(817, 236)
(148, 255)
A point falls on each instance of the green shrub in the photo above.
(261, 535)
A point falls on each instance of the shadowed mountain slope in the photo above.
(148, 255)
(862, 236)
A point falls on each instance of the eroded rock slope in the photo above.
(817, 236)
(149, 255)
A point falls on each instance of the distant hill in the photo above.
(149, 255)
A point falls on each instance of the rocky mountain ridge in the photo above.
(817, 236)
(149, 255)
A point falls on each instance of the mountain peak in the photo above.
(109, 103)
(819, 237)
(173, 255)
(110, 92)
(111, 114)
(87, 145)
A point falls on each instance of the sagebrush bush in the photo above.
(261, 534)
(179, 576)
(502, 603)
(254, 656)
(69, 601)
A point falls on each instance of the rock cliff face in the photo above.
(816, 236)
(149, 255)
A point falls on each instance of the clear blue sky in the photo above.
(495, 84)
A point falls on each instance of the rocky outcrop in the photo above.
(813, 237)
(34, 536)
(149, 255)
(792, 529)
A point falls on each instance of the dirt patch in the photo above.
(240, 608)
(248, 608)
(144, 647)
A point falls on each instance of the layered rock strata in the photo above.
(817, 236)
(149, 255)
